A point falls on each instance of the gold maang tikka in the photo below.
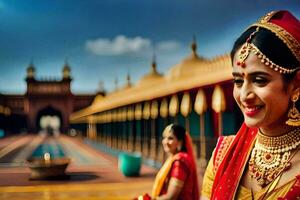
(248, 47)
(245, 50)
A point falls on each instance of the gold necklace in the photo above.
(271, 155)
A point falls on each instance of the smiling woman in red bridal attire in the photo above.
(262, 161)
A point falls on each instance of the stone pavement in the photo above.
(91, 175)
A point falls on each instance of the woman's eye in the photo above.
(170, 138)
(260, 80)
(238, 81)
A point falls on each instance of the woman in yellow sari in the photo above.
(262, 161)
(177, 178)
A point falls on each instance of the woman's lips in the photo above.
(252, 110)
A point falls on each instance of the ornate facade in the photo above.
(42, 98)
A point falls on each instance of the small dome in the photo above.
(151, 77)
(30, 70)
(187, 65)
(66, 70)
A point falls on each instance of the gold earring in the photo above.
(179, 148)
(294, 115)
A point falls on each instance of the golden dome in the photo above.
(151, 77)
(188, 65)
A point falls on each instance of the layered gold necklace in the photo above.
(271, 156)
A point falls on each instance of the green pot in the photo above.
(130, 163)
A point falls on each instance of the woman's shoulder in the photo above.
(183, 157)
(222, 146)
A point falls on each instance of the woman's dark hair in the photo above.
(179, 133)
(272, 47)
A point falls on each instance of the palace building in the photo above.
(47, 104)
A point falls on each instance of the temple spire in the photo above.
(30, 70)
(66, 70)
(128, 79)
(101, 89)
(153, 64)
(194, 46)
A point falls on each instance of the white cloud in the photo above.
(121, 45)
(117, 46)
(168, 46)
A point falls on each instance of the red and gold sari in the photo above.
(182, 167)
(225, 170)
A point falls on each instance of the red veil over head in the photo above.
(190, 151)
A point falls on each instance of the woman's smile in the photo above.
(251, 111)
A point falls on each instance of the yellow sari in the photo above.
(242, 192)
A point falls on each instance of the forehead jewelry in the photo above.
(248, 47)
(245, 50)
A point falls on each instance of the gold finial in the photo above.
(194, 46)
(31, 69)
(153, 65)
(128, 79)
(66, 69)
(101, 89)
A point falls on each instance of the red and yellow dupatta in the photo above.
(232, 166)
(161, 176)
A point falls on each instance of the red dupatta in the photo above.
(189, 148)
(230, 171)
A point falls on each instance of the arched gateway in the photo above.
(46, 103)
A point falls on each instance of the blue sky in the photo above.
(105, 39)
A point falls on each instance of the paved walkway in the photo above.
(91, 175)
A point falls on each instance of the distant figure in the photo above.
(262, 161)
(177, 179)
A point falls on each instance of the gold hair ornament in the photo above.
(265, 60)
(250, 47)
(281, 33)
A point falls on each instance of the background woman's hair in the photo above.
(179, 133)
(272, 47)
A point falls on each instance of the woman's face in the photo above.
(259, 91)
(170, 142)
